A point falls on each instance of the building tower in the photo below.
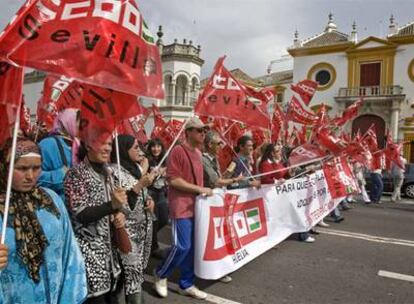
(181, 63)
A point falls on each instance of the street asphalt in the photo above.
(342, 266)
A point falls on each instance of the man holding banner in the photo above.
(185, 176)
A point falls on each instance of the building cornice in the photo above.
(326, 49)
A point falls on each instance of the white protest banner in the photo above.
(234, 227)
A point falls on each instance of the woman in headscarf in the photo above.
(44, 261)
(139, 219)
(60, 151)
(96, 207)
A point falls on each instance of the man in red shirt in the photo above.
(185, 179)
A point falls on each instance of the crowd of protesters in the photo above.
(83, 220)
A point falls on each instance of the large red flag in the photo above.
(102, 110)
(299, 114)
(306, 89)
(104, 43)
(11, 84)
(225, 97)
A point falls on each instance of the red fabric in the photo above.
(305, 153)
(224, 97)
(102, 110)
(278, 121)
(329, 141)
(264, 95)
(267, 166)
(135, 125)
(159, 122)
(11, 84)
(181, 204)
(25, 124)
(105, 43)
(339, 178)
(350, 113)
(8, 118)
(306, 89)
(170, 132)
(299, 114)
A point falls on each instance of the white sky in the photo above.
(253, 32)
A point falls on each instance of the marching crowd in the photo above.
(81, 228)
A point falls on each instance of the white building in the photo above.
(381, 70)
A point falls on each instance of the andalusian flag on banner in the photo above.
(253, 220)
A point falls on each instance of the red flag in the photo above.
(306, 89)
(350, 113)
(135, 125)
(104, 43)
(339, 178)
(170, 132)
(299, 114)
(11, 84)
(159, 122)
(301, 135)
(264, 95)
(370, 139)
(25, 124)
(63, 92)
(8, 118)
(225, 97)
(102, 110)
(305, 153)
(278, 121)
(329, 141)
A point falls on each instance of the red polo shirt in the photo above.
(181, 204)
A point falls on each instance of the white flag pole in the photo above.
(10, 176)
(172, 145)
(118, 159)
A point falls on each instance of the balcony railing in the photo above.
(373, 91)
(181, 101)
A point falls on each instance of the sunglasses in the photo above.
(200, 130)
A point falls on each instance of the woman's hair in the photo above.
(242, 141)
(152, 143)
(267, 154)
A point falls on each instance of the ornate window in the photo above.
(411, 70)
(324, 74)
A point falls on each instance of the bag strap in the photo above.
(61, 151)
(191, 164)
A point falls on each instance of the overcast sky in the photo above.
(254, 32)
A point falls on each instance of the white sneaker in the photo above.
(309, 240)
(323, 224)
(160, 285)
(226, 279)
(194, 292)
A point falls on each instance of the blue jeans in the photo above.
(181, 254)
(376, 188)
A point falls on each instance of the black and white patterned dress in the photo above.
(86, 188)
(139, 227)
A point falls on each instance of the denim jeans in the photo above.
(376, 188)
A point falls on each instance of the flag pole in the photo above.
(171, 146)
(118, 158)
(10, 176)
